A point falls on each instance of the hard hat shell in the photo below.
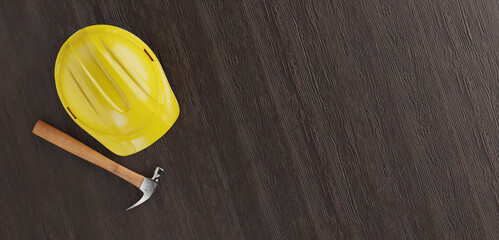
(113, 86)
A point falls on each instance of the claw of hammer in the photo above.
(147, 187)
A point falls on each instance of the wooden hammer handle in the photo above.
(79, 149)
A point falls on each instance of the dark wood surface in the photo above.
(342, 119)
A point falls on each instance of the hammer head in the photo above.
(148, 186)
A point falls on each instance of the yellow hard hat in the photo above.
(113, 86)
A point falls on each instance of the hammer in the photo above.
(68, 143)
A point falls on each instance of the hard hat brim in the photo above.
(124, 147)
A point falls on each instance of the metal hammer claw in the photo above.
(68, 143)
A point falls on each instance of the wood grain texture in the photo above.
(300, 119)
(68, 143)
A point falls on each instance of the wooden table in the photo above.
(324, 119)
